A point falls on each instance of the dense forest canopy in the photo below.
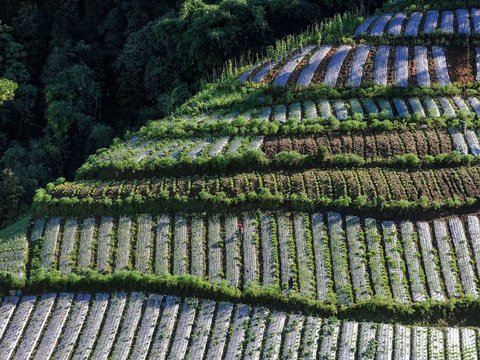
(85, 71)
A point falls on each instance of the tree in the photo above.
(12, 194)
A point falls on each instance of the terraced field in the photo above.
(392, 65)
(401, 24)
(322, 203)
(311, 112)
(330, 257)
(81, 326)
(382, 187)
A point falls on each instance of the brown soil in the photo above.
(310, 146)
(272, 74)
(446, 191)
(431, 67)
(257, 70)
(468, 181)
(293, 78)
(310, 184)
(437, 184)
(449, 183)
(324, 184)
(380, 184)
(433, 141)
(337, 180)
(396, 186)
(421, 142)
(367, 145)
(412, 70)
(418, 184)
(368, 188)
(350, 178)
(347, 144)
(433, 186)
(335, 142)
(455, 188)
(407, 183)
(395, 142)
(368, 72)
(322, 68)
(391, 66)
(459, 63)
(408, 142)
(445, 141)
(269, 182)
(370, 147)
(346, 66)
(383, 147)
(298, 186)
(358, 144)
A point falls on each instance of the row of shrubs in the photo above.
(241, 126)
(262, 199)
(233, 96)
(464, 310)
(252, 160)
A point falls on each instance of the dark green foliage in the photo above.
(12, 195)
(9, 281)
(455, 311)
(85, 71)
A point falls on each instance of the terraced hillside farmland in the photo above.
(83, 325)
(323, 202)
(330, 257)
(467, 23)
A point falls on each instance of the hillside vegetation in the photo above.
(319, 200)
(86, 71)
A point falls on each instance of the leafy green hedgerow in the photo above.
(10, 281)
(263, 199)
(464, 310)
(241, 126)
(256, 159)
(231, 96)
(313, 189)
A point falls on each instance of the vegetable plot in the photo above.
(170, 327)
(401, 66)
(356, 71)
(335, 65)
(308, 71)
(421, 65)
(381, 65)
(325, 256)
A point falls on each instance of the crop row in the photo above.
(388, 62)
(13, 252)
(359, 189)
(401, 24)
(122, 161)
(139, 326)
(317, 116)
(137, 151)
(137, 154)
(357, 109)
(328, 257)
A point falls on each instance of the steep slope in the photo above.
(337, 178)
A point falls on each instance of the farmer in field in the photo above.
(240, 230)
(291, 283)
